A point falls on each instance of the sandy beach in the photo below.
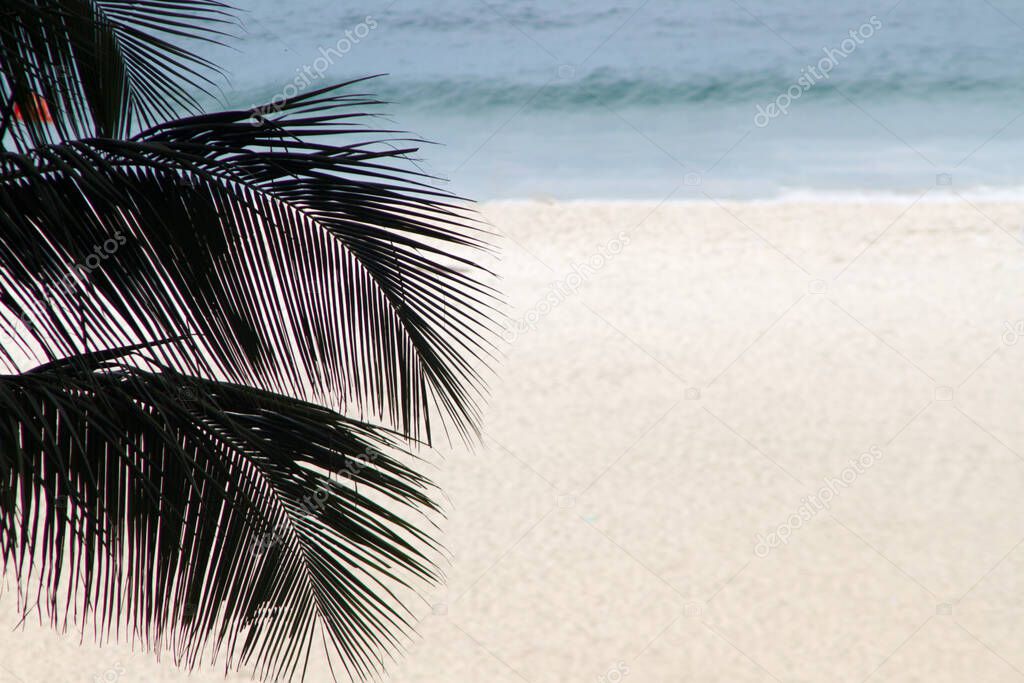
(683, 384)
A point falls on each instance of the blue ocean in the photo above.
(649, 99)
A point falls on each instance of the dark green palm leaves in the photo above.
(180, 299)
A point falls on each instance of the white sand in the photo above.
(606, 531)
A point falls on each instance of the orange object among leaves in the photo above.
(37, 110)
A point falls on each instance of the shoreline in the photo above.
(930, 195)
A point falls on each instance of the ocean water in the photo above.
(706, 100)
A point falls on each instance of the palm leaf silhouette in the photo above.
(181, 299)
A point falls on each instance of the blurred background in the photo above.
(590, 98)
(679, 378)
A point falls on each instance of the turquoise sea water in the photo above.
(577, 99)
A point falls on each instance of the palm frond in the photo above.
(174, 292)
(205, 517)
(102, 66)
(296, 250)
